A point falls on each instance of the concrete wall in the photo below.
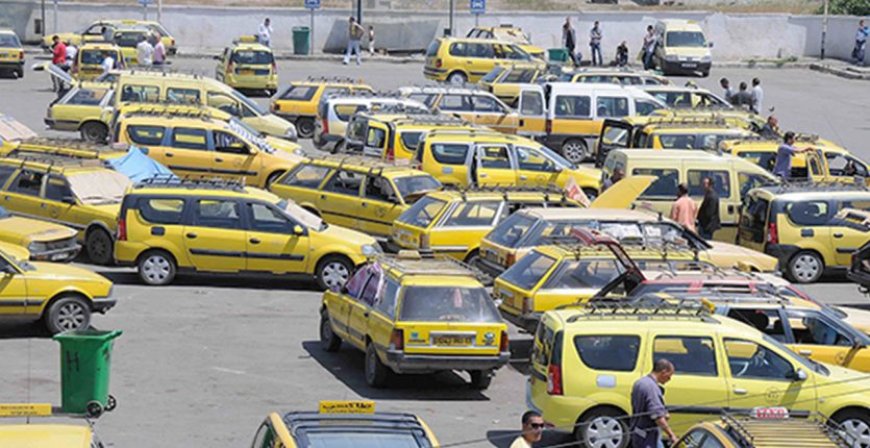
(735, 36)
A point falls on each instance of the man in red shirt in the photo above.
(58, 59)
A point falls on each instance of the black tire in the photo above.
(339, 147)
(20, 74)
(575, 150)
(590, 193)
(481, 379)
(305, 127)
(94, 409)
(854, 423)
(377, 373)
(94, 132)
(330, 271)
(99, 244)
(457, 78)
(272, 178)
(156, 268)
(67, 313)
(329, 341)
(473, 258)
(605, 420)
(705, 74)
(805, 267)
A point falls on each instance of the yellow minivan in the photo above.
(395, 136)
(504, 81)
(682, 48)
(459, 60)
(248, 66)
(95, 33)
(475, 106)
(829, 163)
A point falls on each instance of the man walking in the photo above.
(684, 210)
(860, 42)
(58, 59)
(355, 33)
(595, 44)
(569, 39)
(649, 48)
(144, 52)
(264, 33)
(648, 413)
(159, 57)
(533, 428)
(757, 96)
(782, 166)
(708, 213)
(726, 89)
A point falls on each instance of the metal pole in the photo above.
(55, 16)
(144, 11)
(42, 17)
(824, 29)
(451, 18)
(159, 10)
(476, 19)
(311, 39)
(359, 11)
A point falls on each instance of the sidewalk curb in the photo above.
(841, 72)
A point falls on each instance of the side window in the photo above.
(266, 219)
(140, 94)
(387, 302)
(458, 49)
(57, 188)
(534, 160)
(224, 102)
(229, 143)
(376, 138)
(182, 96)
(370, 292)
(5, 174)
(161, 210)
(532, 103)
(494, 157)
(749, 181)
(450, 154)
(457, 103)
(809, 213)
(379, 188)
(614, 353)
(354, 286)
(855, 167)
(721, 182)
(480, 50)
(811, 328)
(644, 107)
(690, 355)
(665, 185)
(486, 104)
(188, 138)
(573, 107)
(583, 274)
(344, 182)
(610, 106)
(28, 182)
(299, 93)
(747, 359)
(217, 213)
(306, 176)
(146, 135)
(470, 214)
(768, 322)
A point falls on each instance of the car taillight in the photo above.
(504, 344)
(549, 126)
(438, 63)
(325, 126)
(510, 260)
(274, 68)
(528, 305)
(397, 340)
(554, 379)
(772, 234)
(21, 55)
(424, 241)
(122, 230)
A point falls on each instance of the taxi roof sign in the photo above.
(772, 413)
(347, 407)
(25, 409)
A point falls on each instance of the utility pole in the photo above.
(159, 10)
(359, 11)
(451, 18)
(824, 29)
(42, 17)
(55, 16)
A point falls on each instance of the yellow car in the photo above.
(415, 316)
(97, 30)
(46, 241)
(127, 38)
(505, 81)
(337, 110)
(585, 361)
(248, 66)
(508, 33)
(298, 102)
(799, 224)
(195, 145)
(352, 422)
(687, 97)
(89, 59)
(623, 76)
(11, 53)
(81, 110)
(763, 427)
(395, 135)
(61, 295)
(473, 105)
(828, 163)
(49, 435)
(167, 226)
(488, 158)
(357, 192)
(459, 60)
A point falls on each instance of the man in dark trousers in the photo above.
(569, 39)
(708, 214)
(648, 412)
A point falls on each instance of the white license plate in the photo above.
(56, 257)
(690, 64)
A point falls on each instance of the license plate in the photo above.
(452, 341)
(690, 64)
(56, 257)
(246, 72)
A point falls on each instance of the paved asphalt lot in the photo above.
(203, 361)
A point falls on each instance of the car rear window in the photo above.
(422, 212)
(510, 232)
(146, 135)
(520, 76)
(433, 48)
(608, 352)
(9, 41)
(91, 57)
(252, 57)
(527, 272)
(446, 304)
(299, 93)
(412, 186)
(161, 210)
(87, 97)
(473, 214)
(665, 185)
(368, 438)
(583, 274)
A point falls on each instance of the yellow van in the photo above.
(733, 178)
(11, 53)
(299, 101)
(94, 33)
(395, 136)
(508, 33)
(682, 48)
(248, 66)
(829, 163)
(459, 60)
(475, 106)
(89, 60)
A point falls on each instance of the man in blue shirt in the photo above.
(648, 412)
(782, 167)
(860, 42)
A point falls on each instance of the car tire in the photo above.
(377, 373)
(473, 258)
(20, 74)
(98, 244)
(853, 423)
(575, 150)
(272, 178)
(305, 127)
(67, 313)
(457, 78)
(329, 341)
(705, 74)
(607, 421)
(481, 379)
(333, 271)
(590, 193)
(806, 267)
(156, 268)
(94, 132)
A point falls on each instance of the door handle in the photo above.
(169, 154)
(524, 177)
(43, 206)
(522, 123)
(730, 209)
(323, 196)
(218, 160)
(365, 204)
(5, 198)
(482, 175)
(838, 235)
(739, 391)
(366, 314)
(254, 241)
(191, 235)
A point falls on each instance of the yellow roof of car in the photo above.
(54, 162)
(807, 191)
(475, 39)
(191, 187)
(330, 82)
(481, 135)
(516, 195)
(684, 154)
(563, 251)
(364, 164)
(778, 433)
(197, 119)
(98, 46)
(45, 436)
(712, 128)
(589, 316)
(250, 46)
(161, 109)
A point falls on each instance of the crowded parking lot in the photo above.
(204, 358)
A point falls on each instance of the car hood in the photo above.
(16, 251)
(763, 262)
(26, 230)
(65, 272)
(285, 149)
(271, 124)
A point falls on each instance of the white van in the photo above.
(682, 48)
(334, 112)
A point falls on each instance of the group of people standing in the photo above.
(150, 50)
(569, 42)
(751, 99)
(355, 34)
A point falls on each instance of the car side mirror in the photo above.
(68, 200)
(710, 44)
(799, 375)
(298, 230)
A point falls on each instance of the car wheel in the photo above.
(705, 74)
(854, 425)
(94, 132)
(590, 193)
(806, 267)
(376, 372)
(67, 313)
(156, 268)
(575, 150)
(98, 244)
(481, 379)
(603, 428)
(305, 127)
(339, 147)
(473, 258)
(20, 74)
(333, 272)
(457, 78)
(329, 341)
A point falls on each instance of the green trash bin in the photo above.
(557, 54)
(301, 39)
(85, 362)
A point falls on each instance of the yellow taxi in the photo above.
(459, 60)
(623, 76)
(336, 111)
(764, 427)
(127, 38)
(682, 48)
(81, 110)
(44, 240)
(49, 435)
(357, 192)
(475, 106)
(687, 97)
(828, 163)
(89, 59)
(505, 81)
(195, 145)
(167, 226)
(586, 359)
(801, 225)
(481, 157)
(298, 102)
(508, 33)
(395, 135)
(248, 66)
(97, 31)
(351, 422)
(411, 315)
(11, 53)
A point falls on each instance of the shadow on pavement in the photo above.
(503, 438)
(23, 329)
(218, 281)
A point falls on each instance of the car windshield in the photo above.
(127, 40)
(253, 57)
(806, 362)
(422, 212)
(297, 213)
(92, 57)
(411, 187)
(21, 264)
(439, 304)
(492, 75)
(250, 134)
(527, 272)
(685, 39)
(252, 105)
(512, 230)
(9, 41)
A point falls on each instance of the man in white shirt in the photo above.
(108, 63)
(144, 52)
(757, 96)
(264, 34)
(71, 52)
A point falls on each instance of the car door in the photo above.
(221, 68)
(61, 204)
(492, 113)
(380, 206)
(233, 158)
(339, 305)
(825, 339)
(22, 197)
(532, 112)
(274, 242)
(376, 138)
(339, 200)
(13, 290)
(361, 309)
(615, 134)
(215, 237)
(847, 237)
(383, 316)
(186, 152)
(492, 166)
(534, 167)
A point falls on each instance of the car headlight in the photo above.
(291, 133)
(707, 59)
(672, 58)
(36, 246)
(370, 250)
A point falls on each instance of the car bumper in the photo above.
(686, 67)
(103, 304)
(402, 362)
(57, 255)
(11, 65)
(438, 74)
(489, 268)
(270, 84)
(61, 125)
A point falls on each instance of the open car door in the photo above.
(615, 134)
(532, 111)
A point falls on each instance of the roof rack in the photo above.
(442, 88)
(364, 94)
(172, 181)
(856, 185)
(336, 79)
(506, 190)
(713, 295)
(64, 146)
(437, 265)
(682, 120)
(605, 309)
(776, 432)
(54, 159)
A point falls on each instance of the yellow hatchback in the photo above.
(247, 66)
(459, 60)
(411, 315)
(299, 101)
(89, 59)
(11, 53)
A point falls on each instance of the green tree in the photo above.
(850, 7)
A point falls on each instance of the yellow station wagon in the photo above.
(11, 53)
(46, 241)
(458, 60)
(248, 66)
(411, 315)
(298, 102)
